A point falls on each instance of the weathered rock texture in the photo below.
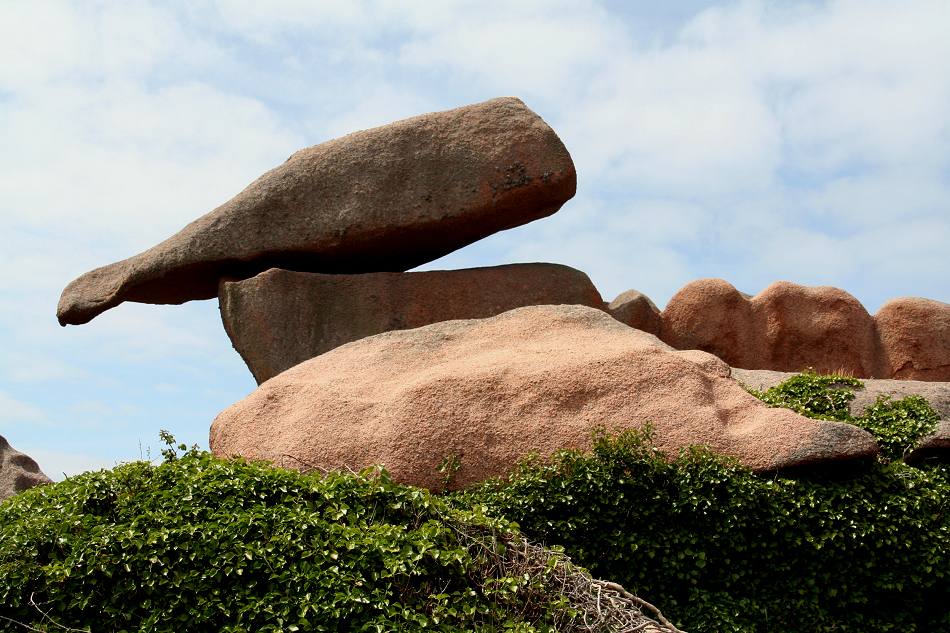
(281, 318)
(17, 471)
(934, 446)
(788, 327)
(914, 336)
(385, 199)
(636, 310)
(489, 391)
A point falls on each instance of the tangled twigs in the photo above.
(595, 605)
(46, 616)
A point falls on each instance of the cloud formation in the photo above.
(754, 141)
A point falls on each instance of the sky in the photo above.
(752, 141)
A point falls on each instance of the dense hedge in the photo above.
(725, 550)
(201, 544)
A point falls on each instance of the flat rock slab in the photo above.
(386, 199)
(936, 393)
(281, 318)
(935, 446)
(490, 391)
(18, 472)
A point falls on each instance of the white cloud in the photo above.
(756, 141)
(88, 40)
(15, 412)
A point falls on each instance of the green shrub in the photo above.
(201, 544)
(725, 550)
(897, 425)
(813, 395)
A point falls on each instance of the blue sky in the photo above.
(754, 141)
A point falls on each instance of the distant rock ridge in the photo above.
(18, 472)
(790, 327)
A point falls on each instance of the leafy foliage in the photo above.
(897, 425)
(199, 543)
(813, 395)
(203, 544)
(727, 551)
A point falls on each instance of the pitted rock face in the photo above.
(281, 318)
(914, 336)
(821, 327)
(18, 472)
(490, 391)
(386, 199)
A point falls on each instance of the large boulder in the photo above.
(914, 336)
(280, 318)
(489, 391)
(635, 309)
(18, 472)
(712, 316)
(386, 199)
(932, 447)
(821, 327)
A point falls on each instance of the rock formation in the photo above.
(385, 199)
(489, 391)
(281, 318)
(788, 327)
(17, 471)
(636, 310)
(914, 337)
(711, 315)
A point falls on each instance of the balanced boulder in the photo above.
(386, 199)
(18, 472)
(281, 318)
(914, 337)
(484, 393)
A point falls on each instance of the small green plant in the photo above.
(449, 466)
(813, 395)
(170, 452)
(897, 425)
